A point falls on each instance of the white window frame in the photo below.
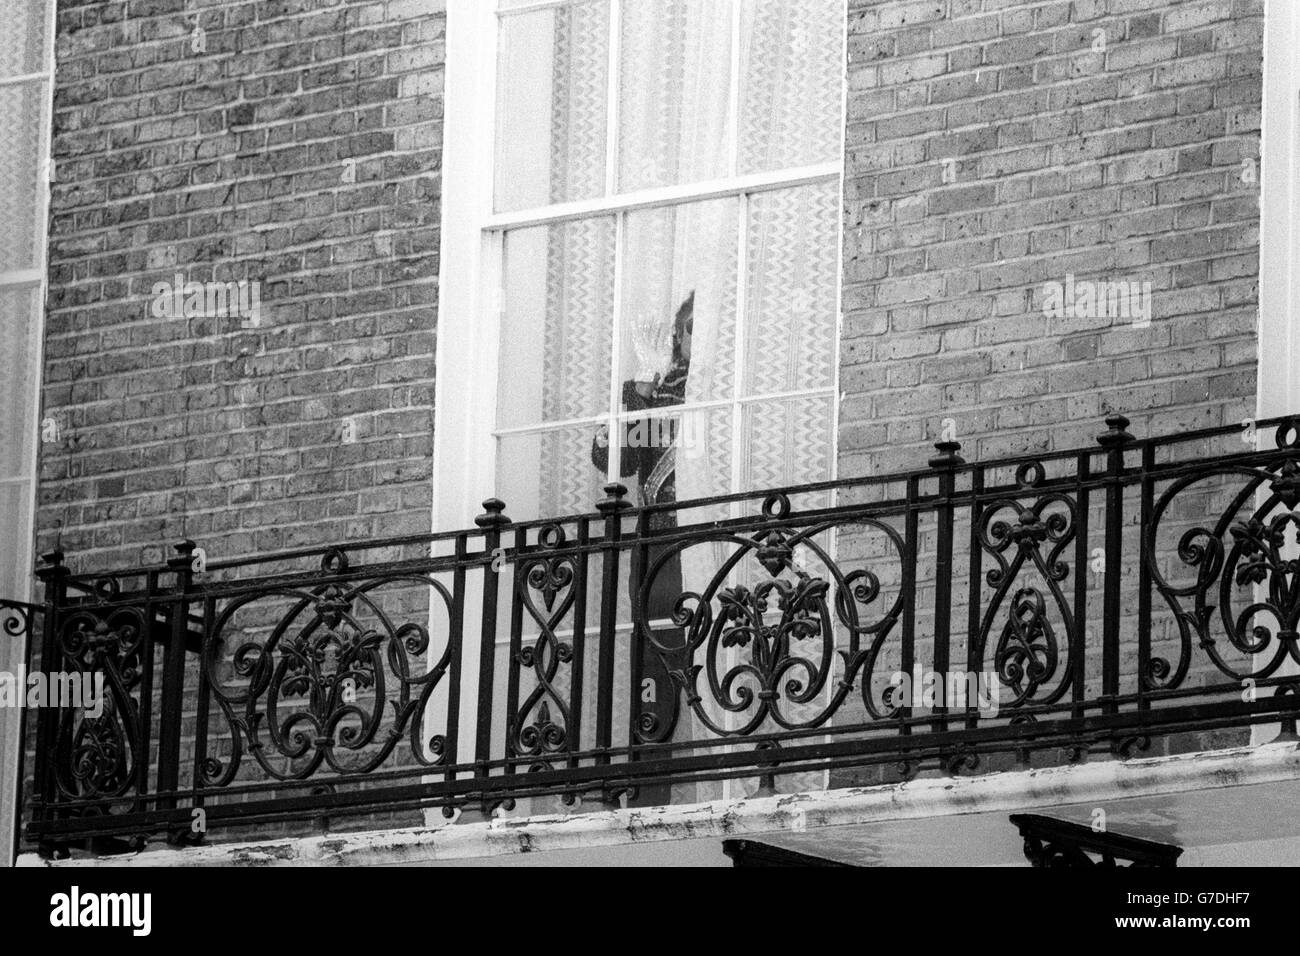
(469, 306)
(1278, 328)
(1279, 253)
(20, 557)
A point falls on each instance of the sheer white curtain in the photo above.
(673, 129)
(679, 121)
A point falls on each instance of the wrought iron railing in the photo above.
(1089, 600)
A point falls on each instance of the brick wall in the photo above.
(994, 146)
(295, 143)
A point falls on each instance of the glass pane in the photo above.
(20, 166)
(791, 73)
(552, 105)
(551, 473)
(786, 442)
(15, 531)
(792, 248)
(19, 319)
(674, 455)
(22, 42)
(677, 338)
(673, 92)
(556, 334)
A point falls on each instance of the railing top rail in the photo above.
(459, 541)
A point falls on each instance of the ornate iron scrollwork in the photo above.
(321, 682)
(99, 757)
(550, 575)
(1244, 549)
(1028, 652)
(749, 636)
(767, 650)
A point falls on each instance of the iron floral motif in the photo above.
(1240, 551)
(768, 650)
(320, 684)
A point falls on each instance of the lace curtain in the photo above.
(675, 125)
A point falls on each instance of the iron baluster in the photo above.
(611, 507)
(1113, 440)
(173, 679)
(946, 463)
(492, 521)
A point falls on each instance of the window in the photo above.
(26, 55)
(26, 72)
(656, 248)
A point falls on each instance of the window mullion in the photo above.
(614, 72)
(733, 94)
(614, 459)
(738, 357)
(673, 195)
(614, 465)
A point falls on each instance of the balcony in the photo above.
(1137, 595)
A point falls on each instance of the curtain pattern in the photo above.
(791, 64)
(580, 299)
(21, 163)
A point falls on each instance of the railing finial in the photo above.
(493, 514)
(54, 568)
(190, 559)
(1116, 433)
(614, 500)
(184, 550)
(947, 457)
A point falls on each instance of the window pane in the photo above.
(20, 168)
(792, 248)
(678, 330)
(673, 92)
(556, 334)
(678, 455)
(15, 527)
(551, 106)
(20, 321)
(551, 473)
(791, 70)
(22, 42)
(786, 442)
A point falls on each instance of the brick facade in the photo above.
(991, 148)
(994, 147)
(296, 143)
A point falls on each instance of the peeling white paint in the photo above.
(1100, 780)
